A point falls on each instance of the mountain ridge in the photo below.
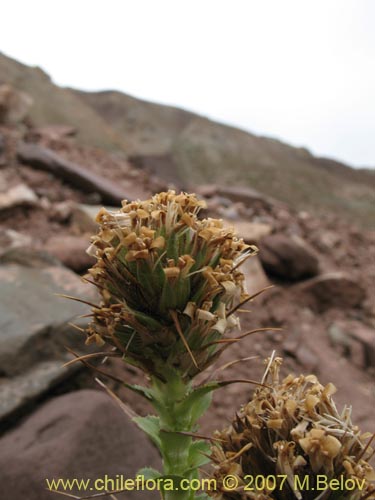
(190, 149)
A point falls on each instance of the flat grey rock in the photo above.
(31, 313)
(35, 326)
(18, 391)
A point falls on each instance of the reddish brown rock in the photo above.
(331, 290)
(20, 195)
(71, 251)
(288, 257)
(78, 435)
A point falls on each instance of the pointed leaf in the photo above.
(141, 391)
(197, 454)
(198, 401)
(147, 320)
(151, 426)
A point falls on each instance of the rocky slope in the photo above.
(322, 268)
(51, 187)
(186, 149)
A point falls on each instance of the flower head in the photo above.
(292, 429)
(169, 283)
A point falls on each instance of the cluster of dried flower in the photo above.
(292, 428)
(169, 283)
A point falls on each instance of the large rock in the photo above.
(79, 435)
(35, 325)
(251, 232)
(83, 217)
(31, 312)
(329, 290)
(288, 257)
(255, 277)
(71, 251)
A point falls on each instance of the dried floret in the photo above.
(292, 428)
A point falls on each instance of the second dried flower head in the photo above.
(292, 433)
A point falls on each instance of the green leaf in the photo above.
(197, 452)
(125, 334)
(186, 243)
(158, 276)
(151, 426)
(215, 260)
(143, 273)
(138, 389)
(167, 299)
(198, 401)
(201, 405)
(199, 258)
(171, 249)
(149, 473)
(197, 297)
(147, 320)
(182, 292)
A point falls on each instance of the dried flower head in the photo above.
(293, 429)
(169, 283)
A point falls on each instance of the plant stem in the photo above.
(175, 447)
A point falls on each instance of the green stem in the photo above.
(175, 448)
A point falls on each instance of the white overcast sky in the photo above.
(299, 70)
